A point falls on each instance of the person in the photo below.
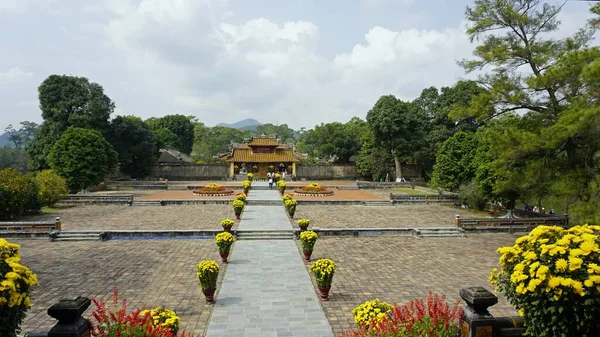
(270, 178)
(552, 212)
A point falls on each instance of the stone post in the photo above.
(57, 223)
(231, 170)
(476, 320)
(293, 169)
(457, 220)
(70, 322)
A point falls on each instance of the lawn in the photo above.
(406, 190)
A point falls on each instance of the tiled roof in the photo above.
(263, 141)
(245, 155)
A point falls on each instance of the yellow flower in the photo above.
(575, 263)
(561, 264)
(554, 282)
(521, 312)
(587, 247)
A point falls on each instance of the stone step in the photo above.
(440, 232)
(378, 203)
(146, 203)
(76, 236)
(266, 237)
(265, 234)
(250, 201)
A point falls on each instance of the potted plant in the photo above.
(271, 168)
(308, 239)
(255, 169)
(551, 276)
(276, 177)
(208, 272)
(238, 207)
(227, 224)
(16, 283)
(246, 184)
(287, 197)
(250, 176)
(163, 317)
(281, 186)
(303, 223)
(371, 313)
(224, 241)
(241, 197)
(236, 169)
(323, 270)
(290, 206)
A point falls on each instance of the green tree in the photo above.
(283, 132)
(167, 139)
(210, 142)
(52, 187)
(15, 191)
(83, 157)
(554, 147)
(22, 137)
(68, 101)
(182, 126)
(373, 161)
(454, 162)
(400, 127)
(333, 141)
(136, 145)
(13, 157)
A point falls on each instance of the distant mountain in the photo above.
(246, 124)
(3, 139)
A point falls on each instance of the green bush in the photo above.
(33, 205)
(15, 191)
(51, 186)
(472, 196)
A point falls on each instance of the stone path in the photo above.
(267, 290)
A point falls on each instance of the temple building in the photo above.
(258, 154)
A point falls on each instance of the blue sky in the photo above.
(300, 62)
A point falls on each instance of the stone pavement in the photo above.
(267, 291)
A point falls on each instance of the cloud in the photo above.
(14, 75)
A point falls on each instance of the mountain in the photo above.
(246, 124)
(3, 139)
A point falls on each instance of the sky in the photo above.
(298, 62)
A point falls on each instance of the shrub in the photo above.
(16, 283)
(271, 168)
(308, 239)
(552, 276)
(472, 195)
(287, 197)
(241, 196)
(208, 272)
(290, 204)
(371, 313)
(224, 241)
(33, 205)
(238, 205)
(430, 317)
(52, 187)
(323, 269)
(15, 191)
(163, 318)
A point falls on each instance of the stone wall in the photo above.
(325, 172)
(185, 172)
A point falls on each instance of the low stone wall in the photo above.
(97, 199)
(325, 172)
(519, 223)
(185, 172)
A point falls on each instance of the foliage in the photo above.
(281, 185)
(16, 283)
(250, 176)
(83, 157)
(472, 195)
(323, 270)
(552, 276)
(33, 204)
(246, 184)
(238, 205)
(136, 145)
(290, 204)
(68, 101)
(400, 127)
(287, 197)
(15, 191)
(255, 169)
(371, 313)
(271, 168)
(303, 222)
(180, 125)
(373, 160)
(213, 187)
(163, 318)
(227, 223)
(52, 187)
(116, 322)
(333, 142)
(211, 142)
(241, 196)
(224, 240)
(165, 138)
(430, 317)
(454, 162)
(13, 157)
(208, 272)
(22, 137)
(308, 239)
(282, 131)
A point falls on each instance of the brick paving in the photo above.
(141, 217)
(185, 195)
(398, 269)
(398, 216)
(146, 273)
(340, 195)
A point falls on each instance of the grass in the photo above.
(53, 209)
(410, 191)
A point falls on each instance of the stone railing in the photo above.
(6, 226)
(70, 322)
(514, 224)
(477, 320)
(140, 185)
(424, 198)
(97, 199)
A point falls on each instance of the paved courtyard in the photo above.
(146, 273)
(142, 217)
(397, 269)
(399, 216)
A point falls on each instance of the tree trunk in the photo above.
(398, 167)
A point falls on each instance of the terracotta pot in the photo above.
(227, 228)
(224, 256)
(307, 254)
(324, 293)
(246, 190)
(281, 192)
(291, 212)
(238, 214)
(303, 227)
(210, 295)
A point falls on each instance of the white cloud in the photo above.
(379, 3)
(14, 74)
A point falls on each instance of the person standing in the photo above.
(270, 178)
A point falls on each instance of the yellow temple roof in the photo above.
(263, 140)
(245, 155)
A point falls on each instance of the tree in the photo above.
(13, 157)
(335, 142)
(283, 132)
(136, 145)
(67, 101)
(182, 126)
(373, 161)
(52, 187)
(454, 162)
(15, 191)
(22, 137)
(554, 147)
(210, 142)
(400, 127)
(167, 139)
(83, 157)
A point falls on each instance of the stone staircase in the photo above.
(265, 234)
(146, 203)
(76, 236)
(378, 203)
(442, 232)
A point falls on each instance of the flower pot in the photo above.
(238, 214)
(303, 227)
(224, 256)
(209, 294)
(227, 228)
(246, 190)
(291, 212)
(324, 292)
(307, 254)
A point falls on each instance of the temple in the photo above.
(258, 154)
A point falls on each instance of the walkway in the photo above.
(267, 290)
